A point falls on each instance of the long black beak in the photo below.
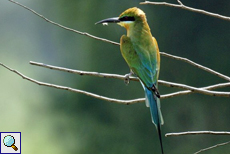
(109, 20)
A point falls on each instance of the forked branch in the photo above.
(182, 6)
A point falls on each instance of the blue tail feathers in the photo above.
(154, 103)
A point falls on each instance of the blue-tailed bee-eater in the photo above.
(140, 51)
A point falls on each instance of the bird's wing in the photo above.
(142, 61)
(144, 64)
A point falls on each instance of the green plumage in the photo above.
(143, 62)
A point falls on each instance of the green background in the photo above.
(56, 121)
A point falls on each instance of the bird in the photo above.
(140, 51)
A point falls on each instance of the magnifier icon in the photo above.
(9, 141)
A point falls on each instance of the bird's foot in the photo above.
(156, 92)
(126, 80)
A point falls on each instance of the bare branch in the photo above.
(181, 6)
(202, 133)
(66, 28)
(215, 146)
(196, 65)
(220, 85)
(165, 83)
(97, 74)
(75, 90)
(198, 133)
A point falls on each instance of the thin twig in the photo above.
(181, 6)
(196, 65)
(66, 28)
(220, 85)
(215, 146)
(198, 133)
(166, 83)
(179, 2)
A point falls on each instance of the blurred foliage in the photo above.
(56, 121)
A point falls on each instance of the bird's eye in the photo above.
(127, 18)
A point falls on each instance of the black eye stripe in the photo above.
(126, 18)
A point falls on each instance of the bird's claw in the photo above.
(127, 79)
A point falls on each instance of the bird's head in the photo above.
(127, 19)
